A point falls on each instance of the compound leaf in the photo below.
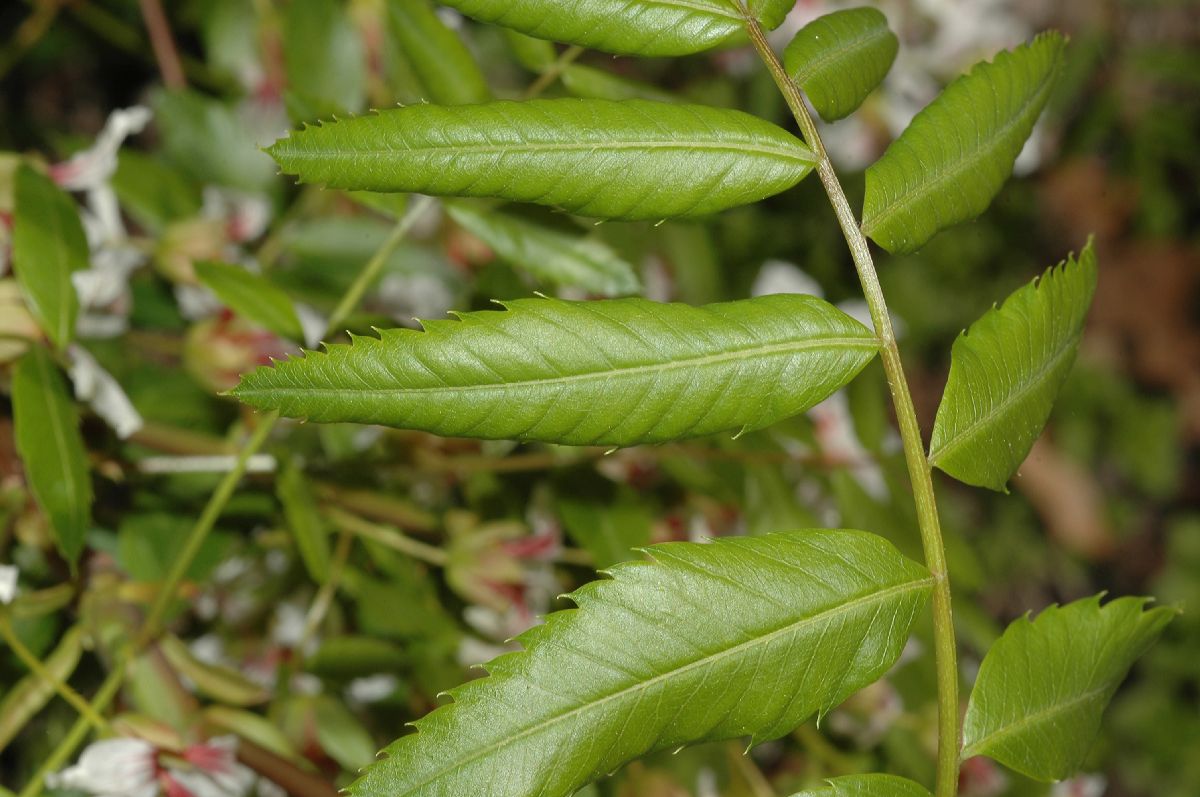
(1005, 373)
(252, 296)
(629, 27)
(745, 636)
(620, 160)
(51, 448)
(48, 246)
(551, 255)
(867, 786)
(447, 70)
(1043, 686)
(840, 58)
(957, 153)
(615, 373)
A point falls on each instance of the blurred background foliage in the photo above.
(358, 572)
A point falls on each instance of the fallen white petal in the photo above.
(98, 388)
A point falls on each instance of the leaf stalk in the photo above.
(919, 469)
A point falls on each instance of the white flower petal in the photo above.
(97, 387)
(112, 768)
(8, 583)
(94, 166)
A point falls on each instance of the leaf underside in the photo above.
(628, 27)
(51, 449)
(1005, 373)
(551, 255)
(742, 637)
(839, 59)
(631, 160)
(1042, 688)
(958, 152)
(615, 373)
(48, 245)
(867, 786)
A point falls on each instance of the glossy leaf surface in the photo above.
(51, 449)
(48, 245)
(840, 58)
(953, 159)
(1044, 685)
(615, 373)
(441, 61)
(1005, 373)
(742, 637)
(631, 27)
(867, 786)
(252, 297)
(551, 255)
(619, 160)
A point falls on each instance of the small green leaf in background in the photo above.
(1044, 685)
(324, 56)
(206, 138)
(153, 193)
(253, 297)
(958, 152)
(441, 61)
(533, 54)
(616, 372)
(1005, 373)
(581, 80)
(51, 449)
(24, 699)
(149, 543)
(629, 27)
(356, 656)
(632, 160)
(304, 521)
(867, 786)
(341, 735)
(549, 254)
(610, 531)
(774, 629)
(48, 245)
(840, 58)
(223, 684)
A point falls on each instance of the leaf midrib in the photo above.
(800, 153)
(953, 172)
(58, 433)
(1039, 716)
(1036, 380)
(863, 344)
(864, 600)
(854, 46)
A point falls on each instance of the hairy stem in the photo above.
(919, 470)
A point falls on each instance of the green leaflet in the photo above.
(957, 153)
(615, 373)
(304, 521)
(439, 58)
(24, 699)
(620, 160)
(252, 297)
(840, 58)
(867, 786)
(48, 246)
(629, 27)
(1005, 373)
(51, 448)
(1043, 686)
(551, 255)
(324, 57)
(217, 681)
(745, 636)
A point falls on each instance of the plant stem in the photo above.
(195, 539)
(163, 44)
(919, 470)
(371, 271)
(553, 72)
(38, 669)
(386, 535)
